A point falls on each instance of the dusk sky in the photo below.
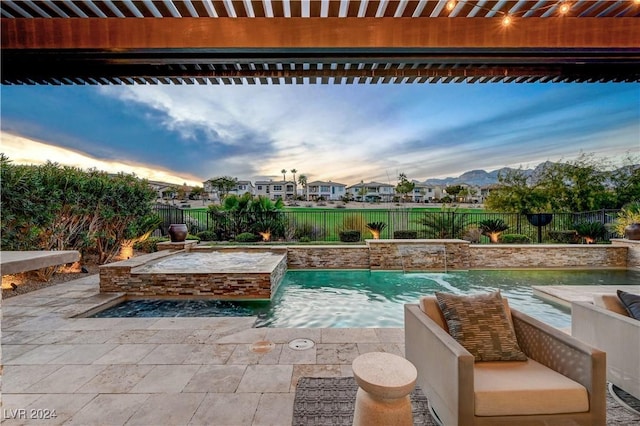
(342, 133)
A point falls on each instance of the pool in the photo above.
(362, 298)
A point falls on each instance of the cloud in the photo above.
(21, 150)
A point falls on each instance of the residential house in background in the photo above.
(423, 193)
(372, 192)
(285, 190)
(324, 190)
(243, 187)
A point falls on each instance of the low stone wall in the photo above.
(505, 256)
(328, 257)
(418, 255)
(633, 251)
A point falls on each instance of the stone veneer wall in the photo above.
(117, 277)
(328, 257)
(418, 255)
(633, 251)
(500, 256)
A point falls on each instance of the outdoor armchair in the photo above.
(551, 383)
(607, 326)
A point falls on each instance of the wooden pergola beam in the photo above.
(318, 33)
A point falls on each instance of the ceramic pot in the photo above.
(178, 232)
(632, 231)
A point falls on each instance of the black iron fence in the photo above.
(326, 224)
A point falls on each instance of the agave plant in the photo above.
(492, 228)
(590, 231)
(376, 228)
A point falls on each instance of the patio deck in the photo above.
(142, 371)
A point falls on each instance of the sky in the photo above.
(341, 133)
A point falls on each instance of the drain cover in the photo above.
(262, 347)
(301, 344)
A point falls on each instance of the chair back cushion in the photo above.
(610, 302)
(480, 323)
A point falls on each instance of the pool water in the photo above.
(362, 298)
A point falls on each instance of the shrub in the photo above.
(405, 235)
(305, 240)
(492, 228)
(565, 237)
(630, 213)
(207, 236)
(514, 239)
(376, 228)
(248, 237)
(472, 234)
(590, 231)
(350, 236)
(150, 245)
(192, 237)
(341, 206)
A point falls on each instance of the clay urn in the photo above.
(177, 232)
(632, 231)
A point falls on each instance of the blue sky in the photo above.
(343, 133)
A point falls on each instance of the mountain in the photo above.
(474, 177)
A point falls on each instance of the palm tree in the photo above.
(302, 180)
(295, 187)
(284, 174)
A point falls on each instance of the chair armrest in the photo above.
(617, 335)
(445, 368)
(565, 354)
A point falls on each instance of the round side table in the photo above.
(385, 382)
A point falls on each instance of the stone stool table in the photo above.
(385, 382)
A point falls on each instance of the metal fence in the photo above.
(326, 224)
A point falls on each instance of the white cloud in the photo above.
(22, 150)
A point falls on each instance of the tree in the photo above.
(197, 193)
(404, 185)
(224, 185)
(302, 180)
(295, 183)
(284, 174)
(454, 191)
(514, 194)
(626, 181)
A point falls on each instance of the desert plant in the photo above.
(514, 239)
(492, 228)
(472, 234)
(565, 237)
(350, 236)
(590, 232)
(630, 213)
(207, 235)
(405, 235)
(247, 237)
(445, 224)
(376, 228)
(352, 221)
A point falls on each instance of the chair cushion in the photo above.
(631, 303)
(480, 324)
(611, 303)
(525, 388)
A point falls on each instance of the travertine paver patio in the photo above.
(158, 371)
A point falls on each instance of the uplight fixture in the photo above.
(451, 4)
(564, 8)
(506, 21)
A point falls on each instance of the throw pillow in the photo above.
(631, 303)
(480, 324)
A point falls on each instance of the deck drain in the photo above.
(262, 347)
(301, 344)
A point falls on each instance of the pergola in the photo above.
(318, 41)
